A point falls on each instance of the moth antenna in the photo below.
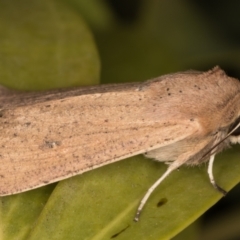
(152, 188)
(211, 177)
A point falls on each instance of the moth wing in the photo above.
(53, 140)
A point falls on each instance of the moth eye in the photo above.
(237, 131)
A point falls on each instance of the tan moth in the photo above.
(50, 136)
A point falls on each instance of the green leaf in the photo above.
(44, 45)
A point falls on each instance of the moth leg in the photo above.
(171, 168)
(211, 177)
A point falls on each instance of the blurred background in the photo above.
(167, 36)
(141, 39)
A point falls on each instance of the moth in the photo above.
(54, 135)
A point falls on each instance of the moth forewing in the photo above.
(45, 139)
